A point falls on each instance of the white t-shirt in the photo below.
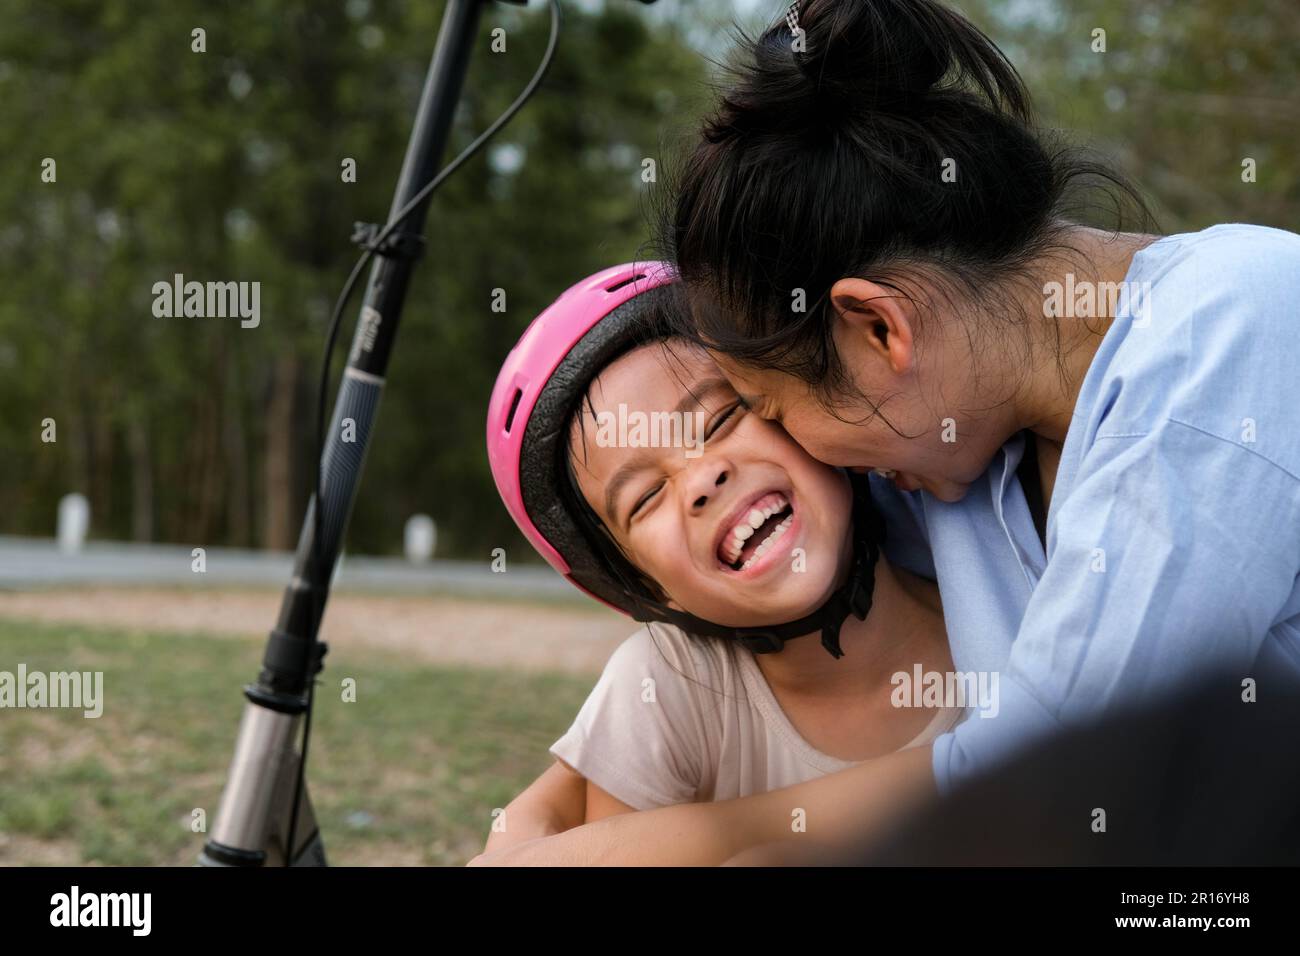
(678, 720)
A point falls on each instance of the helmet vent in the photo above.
(618, 285)
(514, 407)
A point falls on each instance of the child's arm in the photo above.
(614, 723)
(861, 802)
(601, 804)
(554, 802)
(560, 799)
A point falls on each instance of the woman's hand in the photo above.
(693, 834)
(840, 809)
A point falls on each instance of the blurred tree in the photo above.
(1181, 95)
(226, 165)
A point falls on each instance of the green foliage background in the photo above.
(225, 165)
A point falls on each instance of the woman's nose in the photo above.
(705, 483)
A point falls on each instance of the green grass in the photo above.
(409, 773)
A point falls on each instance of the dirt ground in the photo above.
(575, 639)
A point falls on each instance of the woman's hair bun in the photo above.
(895, 142)
(861, 46)
(879, 55)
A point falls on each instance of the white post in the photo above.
(338, 568)
(74, 519)
(420, 537)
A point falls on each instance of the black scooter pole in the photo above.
(252, 823)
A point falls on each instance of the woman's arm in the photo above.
(832, 811)
(554, 802)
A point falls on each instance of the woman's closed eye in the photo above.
(762, 406)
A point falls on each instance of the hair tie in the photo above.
(792, 18)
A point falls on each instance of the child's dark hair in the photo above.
(656, 329)
(655, 326)
(633, 580)
(830, 162)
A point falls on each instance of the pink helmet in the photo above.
(535, 396)
(552, 363)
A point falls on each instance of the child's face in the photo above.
(685, 511)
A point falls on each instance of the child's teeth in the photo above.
(750, 523)
(763, 548)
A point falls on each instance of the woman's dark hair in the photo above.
(830, 161)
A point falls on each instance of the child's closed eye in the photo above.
(719, 421)
(643, 501)
(723, 417)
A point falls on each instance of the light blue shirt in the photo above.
(1173, 537)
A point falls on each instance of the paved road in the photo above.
(37, 562)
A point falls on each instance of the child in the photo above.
(637, 472)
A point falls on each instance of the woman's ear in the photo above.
(877, 320)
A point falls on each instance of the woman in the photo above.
(1098, 432)
(969, 339)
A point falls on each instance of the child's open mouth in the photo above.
(763, 523)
